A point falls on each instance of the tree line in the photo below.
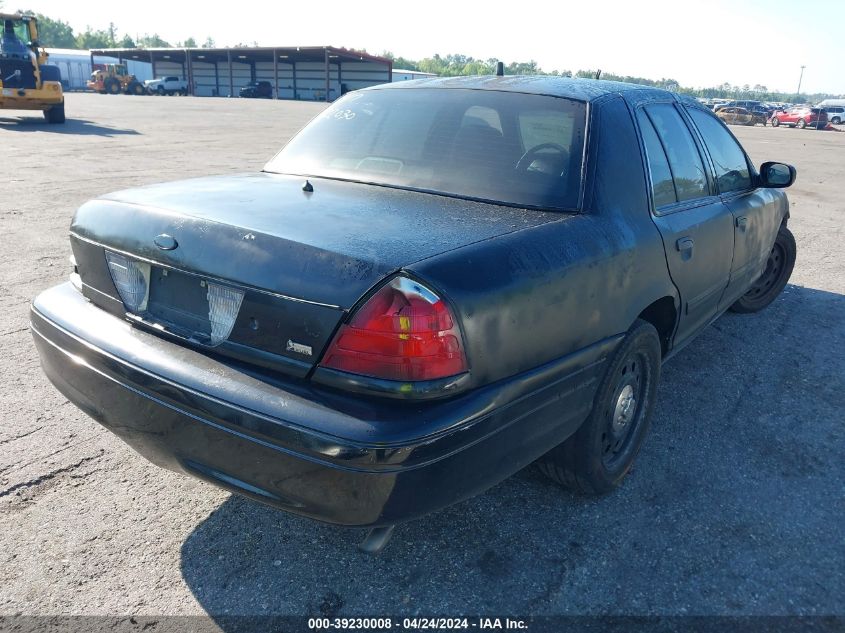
(458, 65)
(59, 34)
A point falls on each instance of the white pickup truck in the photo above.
(166, 86)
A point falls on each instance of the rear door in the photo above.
(755, 210)
(696, 226)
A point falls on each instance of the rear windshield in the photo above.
(518, 149)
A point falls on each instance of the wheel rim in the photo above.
(625, 411)
(771, 275)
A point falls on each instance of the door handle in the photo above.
(684, 244)
(741, 223)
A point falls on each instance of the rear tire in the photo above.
(836, 120)
(55, 114)
(801, 124)
(778, 270)
(136, 89)
(597, 457)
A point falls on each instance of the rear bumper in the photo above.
(334, 457)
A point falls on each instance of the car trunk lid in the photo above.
(300, 258)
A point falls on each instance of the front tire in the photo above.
(113, 87)
(778, 270)
(597, 457)
(775, 121)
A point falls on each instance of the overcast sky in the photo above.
(698, 43)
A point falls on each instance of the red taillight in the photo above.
(403, 332)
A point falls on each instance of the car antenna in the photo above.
(500, 69)
(598, 74)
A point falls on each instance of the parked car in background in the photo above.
(257, 90)
(166, 86)
(431, 286)
(835, 114)
(748, 104)
(801, 117)
(718, 103)
(735, 116)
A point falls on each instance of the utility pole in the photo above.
(800, 77)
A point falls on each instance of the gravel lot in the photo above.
(735, 506)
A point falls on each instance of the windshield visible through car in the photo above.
(517, 149)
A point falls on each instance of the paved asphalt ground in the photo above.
(736, 505)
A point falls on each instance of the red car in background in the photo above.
(801, 117)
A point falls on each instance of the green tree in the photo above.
(209, 42)
(126, 42)
(152, 41)
(94, 39)
(400, 62)
(190, 43)
(53, 33)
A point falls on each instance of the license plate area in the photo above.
(179, 303)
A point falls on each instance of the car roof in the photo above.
(549, 85)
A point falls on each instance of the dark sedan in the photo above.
(257, 90)
(433, 285)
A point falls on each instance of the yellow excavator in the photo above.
(26, 81)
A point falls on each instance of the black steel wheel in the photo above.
(775, 275)
(597, 457)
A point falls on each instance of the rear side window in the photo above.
(732, 173)
(684, 160)
(662, 188)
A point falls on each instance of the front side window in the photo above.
(517, 149)
(732, 173)
(684, 160)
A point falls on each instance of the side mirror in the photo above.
(777, 175)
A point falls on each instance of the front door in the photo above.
(756, 211)
(696, 226)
